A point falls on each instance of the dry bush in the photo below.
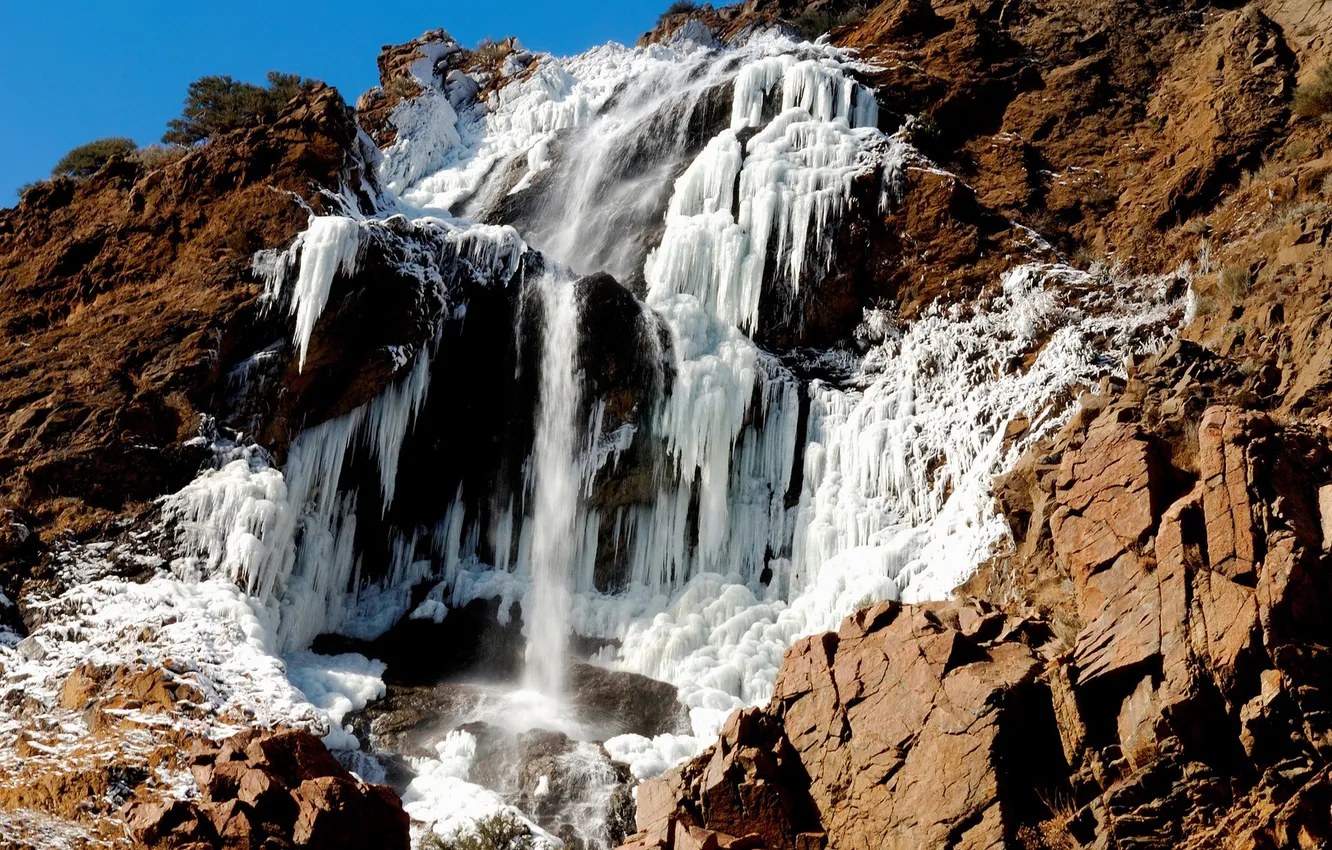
(154, 157)
(490, 52)
(1233, 281)
(1314, 99)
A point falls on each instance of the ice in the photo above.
(288, 536)
(649, 757)
(766, 523)
(328, 247)
(337, 685)
(896, 499)
(208, 633)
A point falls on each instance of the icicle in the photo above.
(388, 419)
(327, 247)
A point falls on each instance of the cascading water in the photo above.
(715, 178)
(557, 483)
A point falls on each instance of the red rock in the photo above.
(338, 813)
(689, 837)
(293, 755)
(169, 823)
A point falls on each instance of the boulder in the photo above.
(848, 753)
(278, 788)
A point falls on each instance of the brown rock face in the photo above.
(1185, 716)
(1154, 678)
(896, 731)
(279, 789)
(125, 298)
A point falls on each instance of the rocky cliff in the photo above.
(1139, 664)
(1142, 669)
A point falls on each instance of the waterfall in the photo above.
(768, 504)
(557, 485)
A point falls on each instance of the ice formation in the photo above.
(766, 522)
(326, 248)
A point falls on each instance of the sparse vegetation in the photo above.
(85, 160)
(490, 52)
(1100, 199)
(1314, 99)
(1294, 212)
(402, 88)
(681, 7)
(501, 831)
(1053, 833)
(23, 190)
(154, 157)
(1233, 281)
(923, 132)
(218, 104)
(1066, 626)
(813, 24)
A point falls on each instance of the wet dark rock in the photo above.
(621, 702)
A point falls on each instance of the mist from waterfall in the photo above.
(557, 484)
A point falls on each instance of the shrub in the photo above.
(154, 157)
(84, 160)
(216, 105)
(813, 24)
(923, 132)
(402, 88)
(681, 7)
(23, 190)
(488, 51)
(1100, 199)
(1234, 282)
(1314, 99)
(1289, 213)
(501, 831)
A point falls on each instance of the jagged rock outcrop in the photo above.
(1145, 669)
(129, 297)
(922, 726)
(273, 790)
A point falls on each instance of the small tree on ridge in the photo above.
(218, 104)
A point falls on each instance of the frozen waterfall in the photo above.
(712, 181)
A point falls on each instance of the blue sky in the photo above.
(71, 72)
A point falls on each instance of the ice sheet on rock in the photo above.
(896, 499)
(337, 685)
(245, 519)
(649, 757)
(207, 633)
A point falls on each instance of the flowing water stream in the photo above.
(557, 483)
(712, 180)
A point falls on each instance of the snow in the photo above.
(337, 685)
(727, 565)
(208, 633)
